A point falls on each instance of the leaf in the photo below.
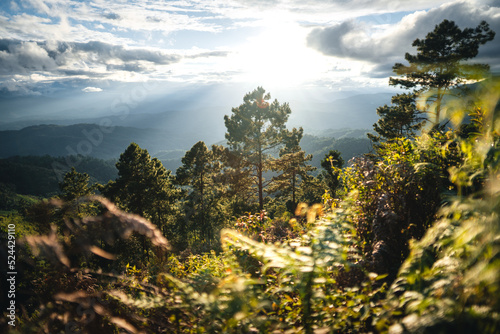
(126, 223)
(49, 247)
(102, 253)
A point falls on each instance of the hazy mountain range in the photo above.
(103, 124)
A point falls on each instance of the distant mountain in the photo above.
(87, 140)
(348, 147)
(195, 111)
(40, 175)
(108, 143)
(358, 111)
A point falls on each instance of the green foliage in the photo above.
(145, 187)
(75, 186)
(394, 197)
(292, 164)
(401, 119)
(332, 164)
(204, 208)
(450, 281)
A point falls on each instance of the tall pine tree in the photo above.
(401, 119)
(439, 64)
(144, 187)
(254, 129)
(201, 174)
(293, 166)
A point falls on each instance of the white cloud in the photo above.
(21, 57)
(92, 89)
(384, 45)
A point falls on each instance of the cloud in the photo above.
(209, 54)
(60, 61)
(387, 44)
(22, 57)
(322, 11)
(91, 89)
(103, 52)
(130, 67)
(340, 40)
(112, 16)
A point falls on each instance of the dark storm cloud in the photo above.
(360, 41)
(23, 57)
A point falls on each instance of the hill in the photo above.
(35, 158)
(40, 175)
(85, 139)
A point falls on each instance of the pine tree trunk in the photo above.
(259, 176)
(438, 105)
(204, 228)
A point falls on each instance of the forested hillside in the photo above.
(40, 174)
(277, 231)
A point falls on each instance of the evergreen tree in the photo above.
(331, 163)
(402, 119)
(292, 164)
(201, 173)
(254, 129)
(238, 178)
(439, 64)
(144, 187)
(75, 185)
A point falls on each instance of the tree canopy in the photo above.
(253, 130)
(401, 119)
(293, 167)
(201, 174)
(439, 63)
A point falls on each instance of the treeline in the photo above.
(40, 175)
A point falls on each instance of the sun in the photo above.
(279, 56)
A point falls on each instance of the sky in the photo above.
(57, 47)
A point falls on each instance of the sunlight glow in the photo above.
(279, 57)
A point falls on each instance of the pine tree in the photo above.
(293, 165)
(144, 187)
(238, 178)
(254, 129)
(402, 119)
(201, 173)
(439, 63)
(75, 185)
(331, 163)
